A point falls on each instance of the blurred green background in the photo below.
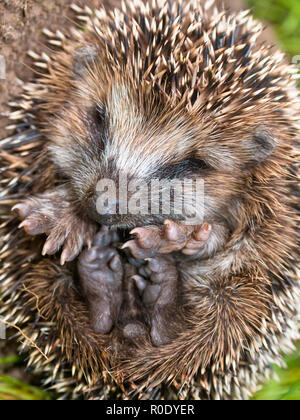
(284, 16)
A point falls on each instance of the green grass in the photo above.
(287, 387)
(14, 389)
(284, 15)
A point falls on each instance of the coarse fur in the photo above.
(154, 91)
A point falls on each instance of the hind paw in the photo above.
(132, 319)
(155, 240)
(101, 273)
(159, 296)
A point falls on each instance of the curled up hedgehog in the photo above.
(147, 305)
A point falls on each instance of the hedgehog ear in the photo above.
(263, 145)
(84, 57)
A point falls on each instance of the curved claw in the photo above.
(175, 232)
(173, 236)
(67, 256)
(30, 227)
(137, 251)
(50, 248)
(20, 210)
(191, 252)
(147, 237)
(128, 244)
(154, 265)
(160, 264)
(203, 233)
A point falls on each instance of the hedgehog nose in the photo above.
(106, 219)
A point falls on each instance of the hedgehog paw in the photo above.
(35, 221)
(50, 214)
(160, 298)
(133, 315)
(101, 274)
(161, 240)
(71, 234)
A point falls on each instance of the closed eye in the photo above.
(96, 123)
(99, 117)
(183, 169)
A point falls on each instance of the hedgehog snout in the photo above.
(103, 208)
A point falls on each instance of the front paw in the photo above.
(152, 241)
(50, 214)
(72, 234)
(36, 219)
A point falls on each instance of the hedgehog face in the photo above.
(201, 113)
(130, 137)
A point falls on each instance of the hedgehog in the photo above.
(151, 305)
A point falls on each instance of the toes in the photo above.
(99, 258)
(52, 245)
(148, 237)
(105, 237)
(159, 336)
(159, 240)
(203, 233)
(102, 323)
(69, 253)
(162, 271)
(74, 241)
(140, 283)
(54, 241)
(32, 227)
(175, 232)
(199, 237)
(44, 214)
(153, 240)
(89, 255)
(151, 294)
(145, 271)
(34, 223)
(190, 252)
(175, 237)
(148, 241)
(72, 247)
(116, 264)
(23, 210)
(159, 264)
(137, 251)
(105, 255)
